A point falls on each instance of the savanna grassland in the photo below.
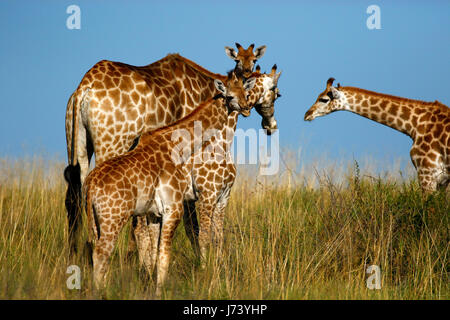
(293, 236)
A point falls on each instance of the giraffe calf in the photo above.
(149, 181)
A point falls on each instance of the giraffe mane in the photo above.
(392, 97)
(199, 68)
(172, 126)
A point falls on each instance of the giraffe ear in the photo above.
(277, 76)
(220, 86)
(231, 53)
(335, 93)
(249, 83)
(259, 52)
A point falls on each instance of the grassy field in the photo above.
(294, 236)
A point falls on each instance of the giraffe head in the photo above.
(265, 106)
(245, 58)
(330, 100)
(235, 93)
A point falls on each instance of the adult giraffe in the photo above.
(427, 123)
(115, 103)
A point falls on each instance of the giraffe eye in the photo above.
(330, 95)
(324, 100)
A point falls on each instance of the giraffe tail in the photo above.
(77, 101)
(72, 117)
(72, 173)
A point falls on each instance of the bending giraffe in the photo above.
(427, 123)
(115, 103)
(213, 175)
(152, 179)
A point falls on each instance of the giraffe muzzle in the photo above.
(308, 115)
(270, 126)
(245, 112)
(247, 73)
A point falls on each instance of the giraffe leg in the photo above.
(191, 225)
(205, 208)
(170, 221)
(219, 211)
(154, 230)
(427, 179)
(430, 169)
(141, 239)
(101, 256)
(137, 222)
(103, 249)
(218, 218)
(147, 237)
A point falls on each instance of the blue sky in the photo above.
(42, 61)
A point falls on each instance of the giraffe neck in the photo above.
(225, 138)
(255, 95)
(395, 112)
(216, 117)
(185, 134)
(228, 130)
(179, 85)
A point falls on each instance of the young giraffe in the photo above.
(245, 58)
(427, 123)
(115, 103)
(152, 179)
(214, 172)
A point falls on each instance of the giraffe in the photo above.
(427, 123)
(213, 175)
(151, 180)
(115, 103)
(245, 58)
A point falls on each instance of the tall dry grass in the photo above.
(306, 233)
